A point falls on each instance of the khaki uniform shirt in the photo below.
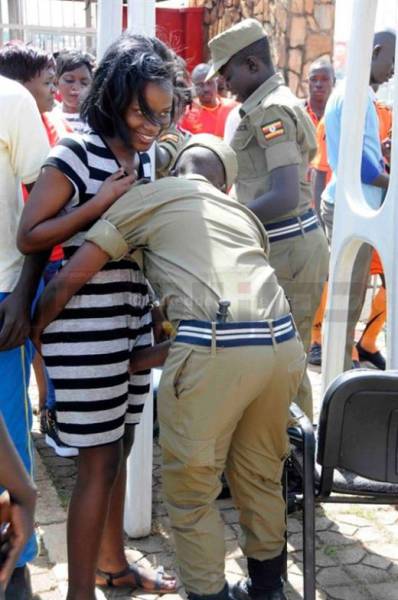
(275, 131)
(170, 141)
(199, 246)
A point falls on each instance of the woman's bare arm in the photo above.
(149, 358)
(42, 226)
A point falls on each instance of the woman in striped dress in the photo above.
(87, 348)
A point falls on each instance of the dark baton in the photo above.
(222, 312)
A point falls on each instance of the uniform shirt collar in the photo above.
(196, 177)
(265, 88)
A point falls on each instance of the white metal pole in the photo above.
(109, 24)
(138, 507)
(141, 16)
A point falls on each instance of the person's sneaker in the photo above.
(19, 587)
(53, 440)
(315, 355)
(375, 358)
(356, 364)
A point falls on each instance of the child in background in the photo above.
(74, 78)
(87, 347)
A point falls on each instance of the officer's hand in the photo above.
(158, 320)
(14, 322)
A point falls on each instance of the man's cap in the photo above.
(225, 45)
(223, 150)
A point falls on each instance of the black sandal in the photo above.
(111, 577)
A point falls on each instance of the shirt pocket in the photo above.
(248, 153)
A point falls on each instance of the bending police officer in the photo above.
(226, 387)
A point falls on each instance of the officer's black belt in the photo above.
(231, 334)
(292, 227)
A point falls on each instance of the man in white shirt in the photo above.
(23, 149)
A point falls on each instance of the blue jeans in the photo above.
(16, 410)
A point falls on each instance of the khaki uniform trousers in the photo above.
(225, 410)
(358, 286)
(301, 265)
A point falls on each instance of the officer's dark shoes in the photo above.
(264, 581)
(243, 591)
(19, 587)
(225, 492)
(222, 595)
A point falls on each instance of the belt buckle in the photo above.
(213, 351)
(273, 337)
(301, 225)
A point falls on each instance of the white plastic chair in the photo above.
(354, 221)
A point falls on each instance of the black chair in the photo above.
(356, 448)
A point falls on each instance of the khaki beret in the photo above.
(224, 152)
(225, 45)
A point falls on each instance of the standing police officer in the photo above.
(274, 143)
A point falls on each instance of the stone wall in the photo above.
(300, 30)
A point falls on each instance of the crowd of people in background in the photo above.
(243, 211)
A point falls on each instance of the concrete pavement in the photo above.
(357, 546)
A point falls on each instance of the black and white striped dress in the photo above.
(86, 349)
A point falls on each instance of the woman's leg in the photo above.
(111, 555)
(112, 558)
(98, 468)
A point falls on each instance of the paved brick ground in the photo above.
(357, 546)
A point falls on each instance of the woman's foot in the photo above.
(138, 577)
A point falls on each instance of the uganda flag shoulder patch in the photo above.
(273, 130)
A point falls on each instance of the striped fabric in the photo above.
(228, 335)
(75, 121)
(87, 348)
(293, 226)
